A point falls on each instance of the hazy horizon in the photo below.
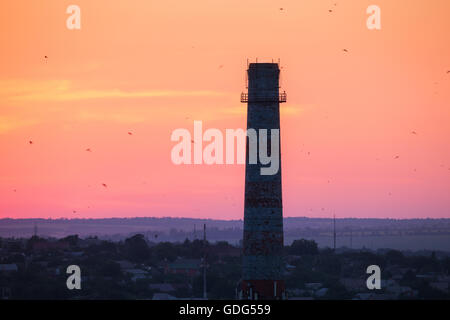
(86, 115)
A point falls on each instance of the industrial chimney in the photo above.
(263, 216)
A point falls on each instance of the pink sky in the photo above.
(151, 67)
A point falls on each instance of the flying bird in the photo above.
(130, 133)
(413, 132)
(448, 71)
(30, 142)
(88, 150)
(345, 50)
(396, 157)
(74, 211)
(330, 10)
(104, 184)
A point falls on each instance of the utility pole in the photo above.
(204, 262)
(334, 231)
(351, 238)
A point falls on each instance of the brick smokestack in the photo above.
(263, 214)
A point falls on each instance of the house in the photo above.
(163, 296)
(363, 296)
(383, 296)
(387, 283)
(297, 292)
(321, 292)
(189, 267)
(313, 285)
(162, 287)
(138, 274)
(8, 268)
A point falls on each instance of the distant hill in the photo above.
(413, 234)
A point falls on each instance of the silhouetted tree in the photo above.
(136, 248)
(303, 247)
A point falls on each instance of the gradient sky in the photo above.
(149, 67)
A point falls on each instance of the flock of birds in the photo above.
(87, 150)
(192, 141)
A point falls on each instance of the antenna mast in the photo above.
(204, 262)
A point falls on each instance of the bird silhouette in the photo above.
(396, 157)
(448, 71)
(330, 10)
(345, 50)
(88, 150)
(130, 133)
(413, 132)
(104, 184)
(30, 142)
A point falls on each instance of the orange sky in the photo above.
(150, 67)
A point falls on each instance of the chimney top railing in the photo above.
(281, 98)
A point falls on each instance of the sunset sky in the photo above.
(364, 133)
